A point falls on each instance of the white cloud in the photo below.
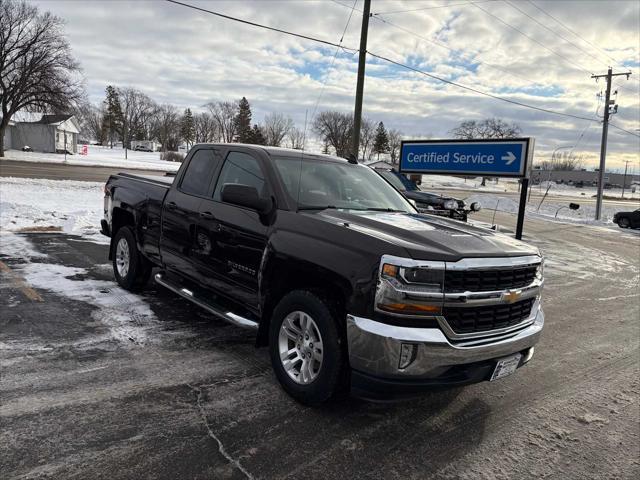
(188, 58)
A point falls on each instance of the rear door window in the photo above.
(200, 171)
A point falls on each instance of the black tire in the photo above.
(329, 381)
(624, 222)
(139, 268)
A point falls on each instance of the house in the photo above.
(49, 133)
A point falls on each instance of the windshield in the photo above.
(399, 181)
(325, 184)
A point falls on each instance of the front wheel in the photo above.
(130, 268)
(623, 222)
(306, 347)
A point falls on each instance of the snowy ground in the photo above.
(57, 205)
(510, 185)
(585, 214)
(99, 156)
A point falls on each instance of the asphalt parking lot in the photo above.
(100, 383)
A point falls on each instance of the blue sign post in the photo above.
(488, 158)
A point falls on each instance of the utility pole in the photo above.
(605, 130)
(624, 179)
(362, 60)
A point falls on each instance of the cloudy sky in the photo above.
(541, 53)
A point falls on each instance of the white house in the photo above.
(50, 134)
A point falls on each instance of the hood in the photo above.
(427, 237)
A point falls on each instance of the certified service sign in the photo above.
(495, 157)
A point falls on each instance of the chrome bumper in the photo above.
(375, 348)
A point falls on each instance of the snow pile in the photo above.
(58, 205)
(99, 157)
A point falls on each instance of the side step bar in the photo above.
(218, 311)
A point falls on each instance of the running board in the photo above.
(217, 310)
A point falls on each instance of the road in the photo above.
(56, 171)
(99, 383)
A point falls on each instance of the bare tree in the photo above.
(487, 128)
(276, 127)
(37, 70)
(563, 161)
(295, 139)
(367, 137)
(206, 128)
(335, 129)
(395, 139)
(136, 107)
(224, 114)
(167, 127)
(91, 118)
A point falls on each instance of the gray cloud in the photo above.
(188, 58)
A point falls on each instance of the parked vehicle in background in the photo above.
(428, 202)
(142, 148)
(27, 148)
(627, 219)
(344, 281)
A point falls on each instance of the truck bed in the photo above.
(163, 181)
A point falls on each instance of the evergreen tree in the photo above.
(381, 142)
(113, 117)
(256, 136)
(187, 127)
(243, 121)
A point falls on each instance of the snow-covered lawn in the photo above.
(63, 205)
(510, 185)
(101, 157)
(585, 214)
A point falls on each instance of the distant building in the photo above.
(582, 178)
(43, 133)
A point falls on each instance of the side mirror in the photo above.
(476, 207)
(245, 196)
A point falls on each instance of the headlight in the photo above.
(405, 288)
(451, 205)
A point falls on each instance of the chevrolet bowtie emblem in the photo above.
(511, 296)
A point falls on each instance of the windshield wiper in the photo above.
(385, 209)
(318, 207)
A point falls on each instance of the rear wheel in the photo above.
(623, 222)
(306, 347)
(130, 268)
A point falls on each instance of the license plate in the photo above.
(506, 366)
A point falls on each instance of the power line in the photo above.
(573, 31)
(432, 7)
(324, 84)
(254, 24)
(552, 31)
(579, 67)
(380, 57)
(622, 129)
(479, 92)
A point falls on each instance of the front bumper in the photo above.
(375, 356)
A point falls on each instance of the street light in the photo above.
(553, 158)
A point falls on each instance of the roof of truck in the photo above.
(281, 151)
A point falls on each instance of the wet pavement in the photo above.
(100, 383)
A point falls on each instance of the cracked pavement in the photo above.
(98, 383)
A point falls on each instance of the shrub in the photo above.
(172, 156)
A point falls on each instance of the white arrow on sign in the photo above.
(509, 158)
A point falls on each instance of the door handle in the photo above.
(207, 215)
(172, 205)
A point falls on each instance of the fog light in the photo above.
(407, 355)
(528, 356)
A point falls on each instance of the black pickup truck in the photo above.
(344, 281)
